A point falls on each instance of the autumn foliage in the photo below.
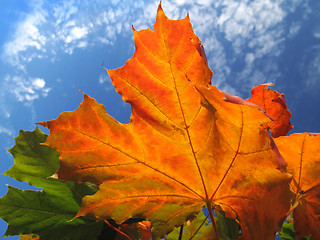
(188, 147)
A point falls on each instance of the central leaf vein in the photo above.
(182, 112)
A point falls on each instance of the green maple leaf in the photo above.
(48, 212)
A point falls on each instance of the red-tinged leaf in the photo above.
(274, 104)
(137, 231)
(183, 149)
(302, 154)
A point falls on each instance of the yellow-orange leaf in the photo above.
(184, 148)
(274, 104)
(28, 237)
(302, 154)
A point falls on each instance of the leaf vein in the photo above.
(137, 160)
(235, 155)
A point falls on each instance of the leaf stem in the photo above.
(212, 220)
(116, 229)
(181, 231)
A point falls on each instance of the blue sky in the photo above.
(51, 49)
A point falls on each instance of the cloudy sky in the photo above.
(51, 49)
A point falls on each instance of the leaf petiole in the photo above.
(116, 229)
(212, 220)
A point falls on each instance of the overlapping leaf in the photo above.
(302, 154)
(199, 228)
(184, 147)
(29, 237)
(287, 231)
(274, 104)
(196, 228)
(46, 213)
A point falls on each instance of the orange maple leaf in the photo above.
(274, 104)
(302, 154)
(184, 148)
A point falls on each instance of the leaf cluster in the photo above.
(193, 163)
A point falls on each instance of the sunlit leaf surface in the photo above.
(184, 148)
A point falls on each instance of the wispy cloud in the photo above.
(63, 11)
(310, 65)
(25, 89)
(76, 33)
(62, 27)
(53, 29)
(7, 131)
(247, 31)
(27, 36)
(239, 36)
(105, 81)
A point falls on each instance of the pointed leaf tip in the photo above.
(44, 124)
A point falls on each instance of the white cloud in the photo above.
(38, 83)
(105, 80)
(102, 78)
(310, 66)
(181, 2)
(316, 32)
(245, 21)
(294, 29)
(27, 36)
(115, 2)
(232, 28)
(249, 58)
(4, 130)
(65, 26)
(226, 30)
(64, 11)
(25, 89)
(76, 33)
